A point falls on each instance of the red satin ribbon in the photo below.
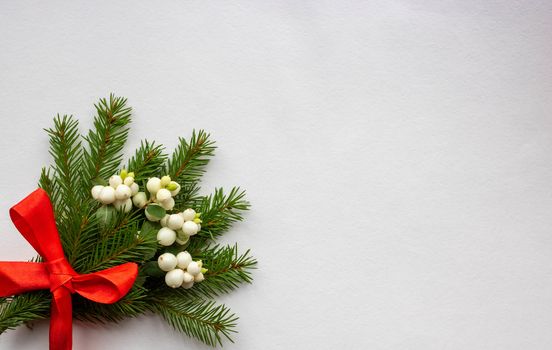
(34, 218)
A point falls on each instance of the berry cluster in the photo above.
(119, 191)
(181, 270)
(179, 227)
(123, 192)
(162, 191)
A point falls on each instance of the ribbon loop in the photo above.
(34, 218)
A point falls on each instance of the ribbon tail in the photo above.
(61, 328)
(106, 286)
(21, 277)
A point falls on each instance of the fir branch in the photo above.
(121, 243)
(99, 161)
(106, 140)
(227, 269)
(48, 184)
(24, 308)
(199, 318)
(187, 164)
(219, 211)
(133, 304)
(188, 195)
(68, 196)
(65, 148)
(189, 159)
(85, 237)
(147, 161)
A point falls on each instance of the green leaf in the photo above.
(149, 231)
(156, 211)
(106, 215)
(151, 268)
(149, 226)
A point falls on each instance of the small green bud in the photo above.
(197, 215)
(124, 174)
(172, 186)
(197, 221)
(204, 270)
(131, 174)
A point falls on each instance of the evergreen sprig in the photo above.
(23, 308)
(66, 150)
(199, 318)
(187, 165)
(147, 161)
(106, 141)
(120, 244)
(133, 304)
(219, 211)
(96, 237)
(190, 157)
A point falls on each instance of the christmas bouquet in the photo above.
(121, 240)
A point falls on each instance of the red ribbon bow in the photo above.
(34, 218)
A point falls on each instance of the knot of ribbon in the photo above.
(34, 219)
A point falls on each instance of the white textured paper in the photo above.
(398, 156)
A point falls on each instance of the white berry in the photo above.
(115, 181)
(190, 228)
(193, 268)
(168, 204)
(163, 194)
(167, 262)
(134, 188)
(183, 259)
(128, 181)
(189, 214)
(140, 199)
(122, 192)
(123, 204)
(96, 191)
(151, 217)
(165, 220)
(165, 180)
(107, 195)
(174, 278)
(166, 236)
(199, 277)
(188, 277)
(153, 185)
(175, 222)
(188, 285)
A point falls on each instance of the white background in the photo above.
(398, 156)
